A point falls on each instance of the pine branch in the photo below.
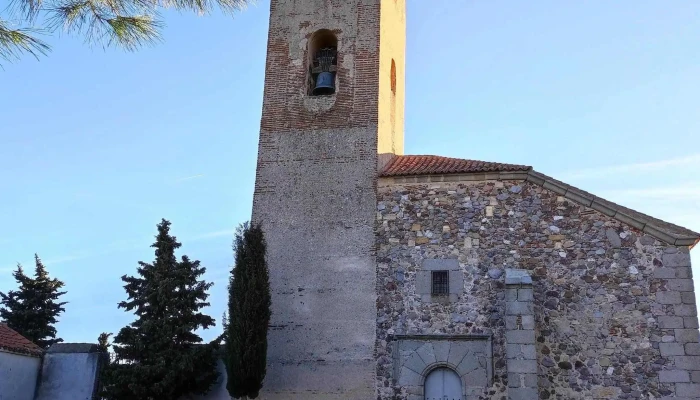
(205, 6)
(14, 42)
(133, 32)
(26, 9)
(130, 24)
(108, 21)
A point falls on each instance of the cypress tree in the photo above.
(159, 356)
(33, 309)
(248, 314)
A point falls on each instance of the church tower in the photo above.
(333, 112)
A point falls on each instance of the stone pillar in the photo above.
(521, 356)
(680, 340)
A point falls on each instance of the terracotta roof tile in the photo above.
(429, 165)
(12, 341)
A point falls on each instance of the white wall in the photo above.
(18, 374)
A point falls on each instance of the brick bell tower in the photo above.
(333, 112)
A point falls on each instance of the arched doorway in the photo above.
(443, 384)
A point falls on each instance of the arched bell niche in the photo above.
(323, 63)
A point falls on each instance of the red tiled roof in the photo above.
(12, 341)
(429, 165)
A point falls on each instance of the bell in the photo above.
(325, 84)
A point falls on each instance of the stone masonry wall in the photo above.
(615, 313)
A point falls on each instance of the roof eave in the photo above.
(22, 352)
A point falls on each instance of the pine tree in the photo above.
(248, 314)
(103, 342)
(33, 309)
(158, 356)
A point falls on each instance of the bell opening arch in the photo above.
(322, 59)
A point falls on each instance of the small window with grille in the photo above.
(441, 283)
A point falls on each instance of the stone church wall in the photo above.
(614, 309)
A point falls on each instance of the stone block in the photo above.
(688, 363)
(606, 392)
(665, 273)
(691, 390)
(456, 282)
(676, 260)
(688, 297)
(530, 380)
(518, 277)
(522, 394)
(613, 238)
(511, 294)
(415, 363)
(513, 351)
(692, 349)
(441, 350)
(477, 377)
(459, 350)
(522, 366)
(667, 322)
(668, 297)
(695, 376)
(514, 380)
(520, 337)
(423, 282)
(440, 264)
(519, 308)
(684, 273)
(468, 364)
(410, 378)
(687, 335)
(529, 351)
(528, 321)
(525, 294)
(511, 322)
(426, 353)
(685, 310)
(680, 285)
(522, 380)
(691, 322)
(671, 349)
(678, 398)
(674, 376)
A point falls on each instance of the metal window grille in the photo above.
(441, 283)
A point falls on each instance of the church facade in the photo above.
(423, 277)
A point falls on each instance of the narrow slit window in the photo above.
(441, 283)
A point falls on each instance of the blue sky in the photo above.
(97, 145)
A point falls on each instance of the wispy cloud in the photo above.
(212, 235)
(188, 178)
(29, 264)
(65, 259)
(588, 173)
(688, 191)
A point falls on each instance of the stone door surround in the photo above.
(470, 356)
